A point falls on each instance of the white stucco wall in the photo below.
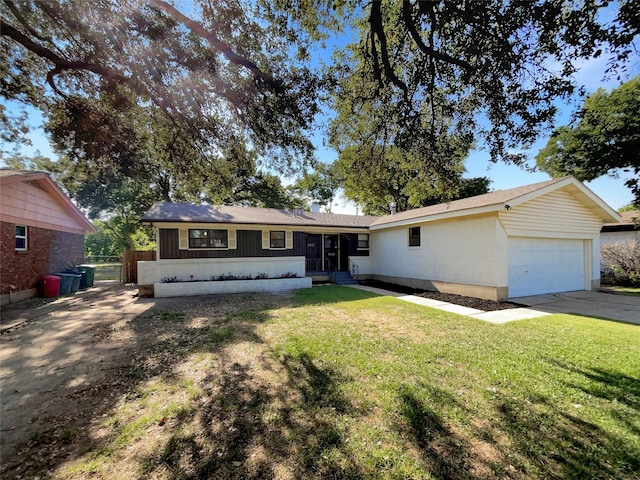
(203, 268)
(470, 251)
(363, 264)
(612, 237)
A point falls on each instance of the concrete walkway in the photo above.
(622, 308)
(498, 316)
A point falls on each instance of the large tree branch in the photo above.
(60, 63)
(377, 30)
(407, 18)
(214, 41)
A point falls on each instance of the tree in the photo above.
(486, 74)
(129, 86)
(402, 179)
(604, 140)
(319, 186)
(425, 77)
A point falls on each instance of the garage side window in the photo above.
(414, 237)
(199, 238)
(21, 238)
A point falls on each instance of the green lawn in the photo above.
(339, 383)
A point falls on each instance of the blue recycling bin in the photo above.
(66, 281)
(70, 282)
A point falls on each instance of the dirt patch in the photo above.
(471, 302)
(113, 368)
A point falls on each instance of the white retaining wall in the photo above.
(203, 268)
(186, 289)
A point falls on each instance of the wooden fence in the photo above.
(130, 260)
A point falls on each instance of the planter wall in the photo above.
(153, 272)
(186, 289)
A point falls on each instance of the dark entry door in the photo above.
(313, 252)
(344, 252)
(331, 259)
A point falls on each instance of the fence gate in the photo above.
(130, 260)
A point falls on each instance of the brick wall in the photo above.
(48, 251)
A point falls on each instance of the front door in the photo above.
(331, 259)
(344, 252)
(313, 252)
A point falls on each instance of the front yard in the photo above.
(333, 382)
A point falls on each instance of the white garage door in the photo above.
(545, 265)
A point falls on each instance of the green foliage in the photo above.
(319, 186)
(475, 71)
(111, 238)
(192, 111)
(630, 207)
(404, 179)
(605, 139)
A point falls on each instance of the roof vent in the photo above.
(35, 184)
(392, 208)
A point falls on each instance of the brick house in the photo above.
(41, 232)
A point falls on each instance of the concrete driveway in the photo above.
(623, 308)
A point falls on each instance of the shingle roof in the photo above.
(181, 212)
(627, 219)
(10, 172)
(493, 198)
(185, 212)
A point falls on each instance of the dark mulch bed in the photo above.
(471, 302)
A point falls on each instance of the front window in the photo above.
(276, 239)
(414, 237)
(21, 238)
(363, 240)
(208, 238)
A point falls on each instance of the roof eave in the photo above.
(495, 207)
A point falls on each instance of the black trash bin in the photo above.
(89, 277)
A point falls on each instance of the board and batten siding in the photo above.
(248, 244)
(557, 214)
(29, 203)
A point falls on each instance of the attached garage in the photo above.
(545, 265)
(536, 239)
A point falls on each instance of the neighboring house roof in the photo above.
(629, 221)
(489, 202)
(497, 201)
(42, 181)
(185, 212)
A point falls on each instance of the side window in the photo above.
(363, 241)
(276, 239)
(21, 238)
(414, 237)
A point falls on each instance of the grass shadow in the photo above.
(550, 443)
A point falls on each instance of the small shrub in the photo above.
(624, 260)
(289, 275)
(261, 275)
